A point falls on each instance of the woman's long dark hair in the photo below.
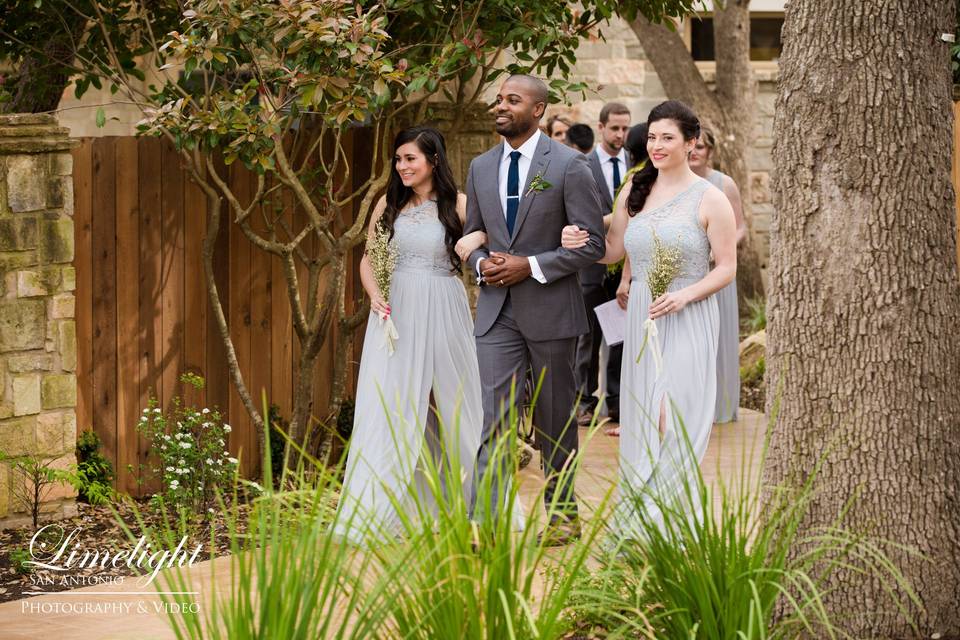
(643, 180)
(431, 144)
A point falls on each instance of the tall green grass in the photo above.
(740, 569)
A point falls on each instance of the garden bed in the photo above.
(98, 530)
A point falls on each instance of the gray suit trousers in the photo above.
(504, 356)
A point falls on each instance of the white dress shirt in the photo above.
(527, 149)
(607, 167)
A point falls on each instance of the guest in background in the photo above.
(728, 347)
(557, 126)
(580, 137)
(609, 163)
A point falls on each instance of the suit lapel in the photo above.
(600, 180)
(538, 166)
(493, 194)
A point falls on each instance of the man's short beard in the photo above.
(512, 128)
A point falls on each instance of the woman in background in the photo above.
(728, 346)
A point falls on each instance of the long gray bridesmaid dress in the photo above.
(728, 346)
(435, 359)
(687, 382)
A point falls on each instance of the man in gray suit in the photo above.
(609, 163)
(530, 311)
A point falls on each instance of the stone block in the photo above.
(18, 234)
(26, 182)
(58, 390)
(63, 305)
(61, 164)
(62, 490)
(60, 192)
(622, 71)
(4, 490)
(30, 362)
(68, 278)
(56, 432)
(22, 324)
(6, 411)
(10, 260)
(26, 394)
(56, 240)
(33, 283)
(759, 187)
(68, 345)
(18, 436)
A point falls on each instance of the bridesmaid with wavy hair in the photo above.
(423, 399)
(667, 402)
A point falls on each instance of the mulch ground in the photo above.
(97, 530)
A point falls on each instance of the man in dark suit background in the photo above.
(609, 162)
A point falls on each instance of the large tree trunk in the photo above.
(728, 109)
(864, 316)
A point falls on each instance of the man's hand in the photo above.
(505, 270)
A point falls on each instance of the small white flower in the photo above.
(174, 484)
(227, 428)
(222, 442)
(185, 445)
(232, 460)
(166, 436)
(219, 461)
(209, 460)
(143, 419)
(181, 461)
(179, 425)
(210, 510)
(156, 410)
(146, 410)
(169, 468)
(205, 410)
(178, 435)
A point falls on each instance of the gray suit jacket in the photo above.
(553, 310)
(593, 275)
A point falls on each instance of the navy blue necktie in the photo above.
(616, 175)
(513, 190)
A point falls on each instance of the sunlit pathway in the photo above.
(105, 612)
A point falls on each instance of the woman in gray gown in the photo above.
(424, 397)
(728, 345)
(668, 383)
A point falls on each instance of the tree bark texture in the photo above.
(864, 314)
(728, 109)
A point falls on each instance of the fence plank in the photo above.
(83, 264)
(130, 401)
(239, 318)
(261, 297)
(104, 312)
(151, 295)
(195, 293)
(172, 274)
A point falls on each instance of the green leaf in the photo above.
(101, 118)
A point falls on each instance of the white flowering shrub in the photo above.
(189, 448)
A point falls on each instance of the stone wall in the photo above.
(38, 342)
(616, 69)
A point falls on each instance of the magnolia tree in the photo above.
(277, 85)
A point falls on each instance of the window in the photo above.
(764, 37)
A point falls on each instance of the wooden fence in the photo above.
(142, 312)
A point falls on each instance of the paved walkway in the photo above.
(113, 612)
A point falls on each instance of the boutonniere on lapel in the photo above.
(537, 184)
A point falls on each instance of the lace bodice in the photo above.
(676, 224)
(419, 236)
